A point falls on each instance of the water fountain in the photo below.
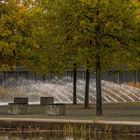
(61, 90)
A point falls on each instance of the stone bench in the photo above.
(46, 100)
(16, 108)
(55, 109)
(21, 100)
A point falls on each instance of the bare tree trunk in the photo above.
(74, 84)
(44, 77)
(98, 66)
(87, 88)
(98, 88)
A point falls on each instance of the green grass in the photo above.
(129, 111)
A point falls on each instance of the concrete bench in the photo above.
(46, 100)
(55, 109)
(16, 108)
(21, 100)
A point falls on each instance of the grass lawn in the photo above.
(129, 111)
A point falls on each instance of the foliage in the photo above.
(67, 31)
(116, 23)
(49, 36)
(15, 41)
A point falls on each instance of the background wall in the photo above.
(11, 78)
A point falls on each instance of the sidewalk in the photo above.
(70, 121)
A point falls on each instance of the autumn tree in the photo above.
(15, 41)
(112, 26)
(93, 34)
(101, 31)
(55, 29)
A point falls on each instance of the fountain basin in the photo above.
(21, 100)
(16, 108)
(46, 100)
(55, 109)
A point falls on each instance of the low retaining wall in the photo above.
(16, 108)
(55, 109)
(30, 125)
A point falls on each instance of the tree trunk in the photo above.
(35, 76)
(98, 88)
(136, 76)
(74, 84)
(98, 65)
(4, 79)
(44, 77)
(87, 88)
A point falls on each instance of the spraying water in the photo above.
(62, 89)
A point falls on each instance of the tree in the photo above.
(133, 59)
(94, 34)
(15, 41)
(104, 29)
(111, 25)
(50, 54)
(67, 17)
(55, 32)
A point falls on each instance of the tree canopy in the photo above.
(15, 40)
(70, 30)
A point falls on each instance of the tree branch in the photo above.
(116, 38)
